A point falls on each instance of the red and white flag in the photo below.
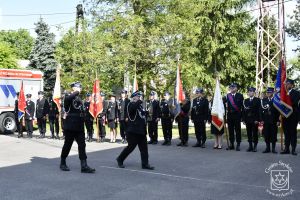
(96, 105)
(217, 110)
(21, 103)
(178, 93)
(57, 92)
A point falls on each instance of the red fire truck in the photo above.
(10, 84)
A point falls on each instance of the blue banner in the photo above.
(283, 109)
(281, 106)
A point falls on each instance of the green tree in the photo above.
(42, 56)
(7, 57)
(149, 35)
(20, 41)
(294, 26)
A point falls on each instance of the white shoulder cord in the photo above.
(129, 114)
(264, 107)
(245, 105)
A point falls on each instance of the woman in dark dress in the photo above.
(112, 117)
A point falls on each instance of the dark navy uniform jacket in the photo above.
(75, 112)
(136, 118)
(267, 112)
(200, 109)
(42, 108)
(29, 110)
(166, 109)
(251, 110)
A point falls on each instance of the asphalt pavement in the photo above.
(29, 169)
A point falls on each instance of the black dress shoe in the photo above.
(203, 145)
(185, 144)
(285, 152)
(274, 151)
(120, 163)
(237, 148)
(249, 149)
(294, 153)
(168, 143)
(197, 145)
(266, 150)
(85, 168)
(165, 142)
(147, 167)
(150, 142)
(64, 167)
(180, 144)
(154, 142)
(231, 147)
(254, 149)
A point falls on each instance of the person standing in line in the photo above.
(199, 117)
(122, 107)
(112, 117)
(29, 115)
(42, 111)
(53, 119)
(251, 118)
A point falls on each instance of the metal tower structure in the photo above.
(270, 42)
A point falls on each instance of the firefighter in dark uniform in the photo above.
(29, 115)
(199, 117)
(63, 112)
(53, 119)
(42, 111)
(136, 132)
(102, 119)
(123, 119)
(167, 118)
(290, 123)
(88, 118)
(269, 118)
(153, 115)
(74, 129)
(19, 123)
(183, 122)
(234, 104)
(250, 116)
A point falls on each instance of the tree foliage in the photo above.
(209, 37)
(42, 56)
(294, 26)
(20, 41)
(7, 57)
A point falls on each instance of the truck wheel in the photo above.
(7, 123)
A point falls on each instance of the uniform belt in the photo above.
(75, 114)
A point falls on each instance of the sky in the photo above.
(65, 21)
(20, 7)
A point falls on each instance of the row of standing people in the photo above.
(41, 111)
(253, 112)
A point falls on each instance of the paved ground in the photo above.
(29, 170)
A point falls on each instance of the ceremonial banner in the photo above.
(281, 100)
(217, 110)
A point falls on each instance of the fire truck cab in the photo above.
(10, 84)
